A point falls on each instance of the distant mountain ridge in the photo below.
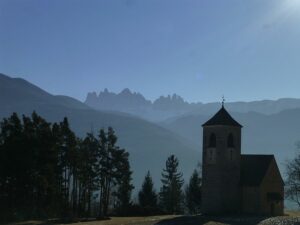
(112, 101)
(149, 144)
(272, 130)
(136, 104)
(172, 106)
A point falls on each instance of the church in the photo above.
(235, 182)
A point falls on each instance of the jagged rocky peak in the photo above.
(121, 101)
(105, 93)
(91, 98)
(170, 102)
(171, 98)
(92, 95)
(126, 91)
(136, 104)
(177, 98)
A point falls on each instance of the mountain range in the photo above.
(269, 127)
(136, 104)
(149, 144)
(173, 106)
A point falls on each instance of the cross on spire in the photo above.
(223, 101)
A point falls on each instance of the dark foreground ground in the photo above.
(199, 220)
(292, 218)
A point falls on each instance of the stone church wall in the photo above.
(250, 200)
(221, 173)
(272, 183)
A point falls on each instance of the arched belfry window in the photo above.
(212, 141)
(230, 141)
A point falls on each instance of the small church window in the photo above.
(212, 141)
(230, 142)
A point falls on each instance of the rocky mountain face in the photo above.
(136, 104)
(126, 100)
(173, 106)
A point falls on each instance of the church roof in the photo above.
(254, 168)
(222, 117)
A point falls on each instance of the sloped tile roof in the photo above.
(222, 117)
(254, 168)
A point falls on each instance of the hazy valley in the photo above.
(270, 127)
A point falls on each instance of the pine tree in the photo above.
(123, 181)
(68, 147)
(193, 193)
(39, 134)
(147, 195)
(15, 169)
(171, 195)
(86, 173)
(113, 171)
(103, 171)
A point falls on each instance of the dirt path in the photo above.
(128, 221)
(290, 219)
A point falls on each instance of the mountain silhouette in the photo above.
(274, 129)
(149, 145)
(136, 104)
(173, 106)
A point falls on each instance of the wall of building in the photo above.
(221, 172)
(255, 199)
(251, 200)
(272, 183)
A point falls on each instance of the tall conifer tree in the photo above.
(171, 195)
(193, 193)
(147, 195)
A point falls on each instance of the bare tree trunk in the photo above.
(107, 193)
(101, 195)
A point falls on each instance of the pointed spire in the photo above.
(222, 117)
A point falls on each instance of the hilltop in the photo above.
(149, 144)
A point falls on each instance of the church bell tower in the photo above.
(221, 160)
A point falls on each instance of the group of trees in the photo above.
(172, 199)
(46, 171)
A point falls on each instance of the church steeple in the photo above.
(221, 163)
(222, 117)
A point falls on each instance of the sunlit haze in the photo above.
(246, 50)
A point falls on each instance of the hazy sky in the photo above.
(199, 49)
